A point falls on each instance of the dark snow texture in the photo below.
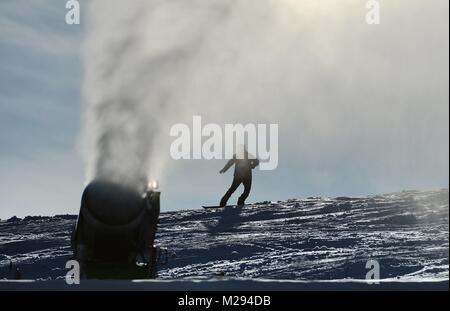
(299, 239)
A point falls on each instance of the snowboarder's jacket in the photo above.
(243, 166)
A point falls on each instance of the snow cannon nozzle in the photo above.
(152, 185)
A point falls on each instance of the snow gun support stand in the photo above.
(115, 232)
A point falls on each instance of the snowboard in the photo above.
(218, 206)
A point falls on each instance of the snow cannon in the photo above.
(115, 231)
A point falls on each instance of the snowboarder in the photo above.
(244, 163)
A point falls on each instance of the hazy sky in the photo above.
(361, 109)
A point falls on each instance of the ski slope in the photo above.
(297, 240)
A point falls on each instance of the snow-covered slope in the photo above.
(298, 239)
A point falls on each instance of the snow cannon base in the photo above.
(115, 232)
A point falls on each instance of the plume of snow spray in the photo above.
(137, 59)
(150, 62)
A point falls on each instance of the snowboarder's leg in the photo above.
(233, 187)
(247, 186)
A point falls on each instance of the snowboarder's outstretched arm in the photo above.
(227, 166)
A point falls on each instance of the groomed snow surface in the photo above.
(298, 244)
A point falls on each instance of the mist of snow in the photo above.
(334, 84)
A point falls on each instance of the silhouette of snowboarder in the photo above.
(242, 175)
